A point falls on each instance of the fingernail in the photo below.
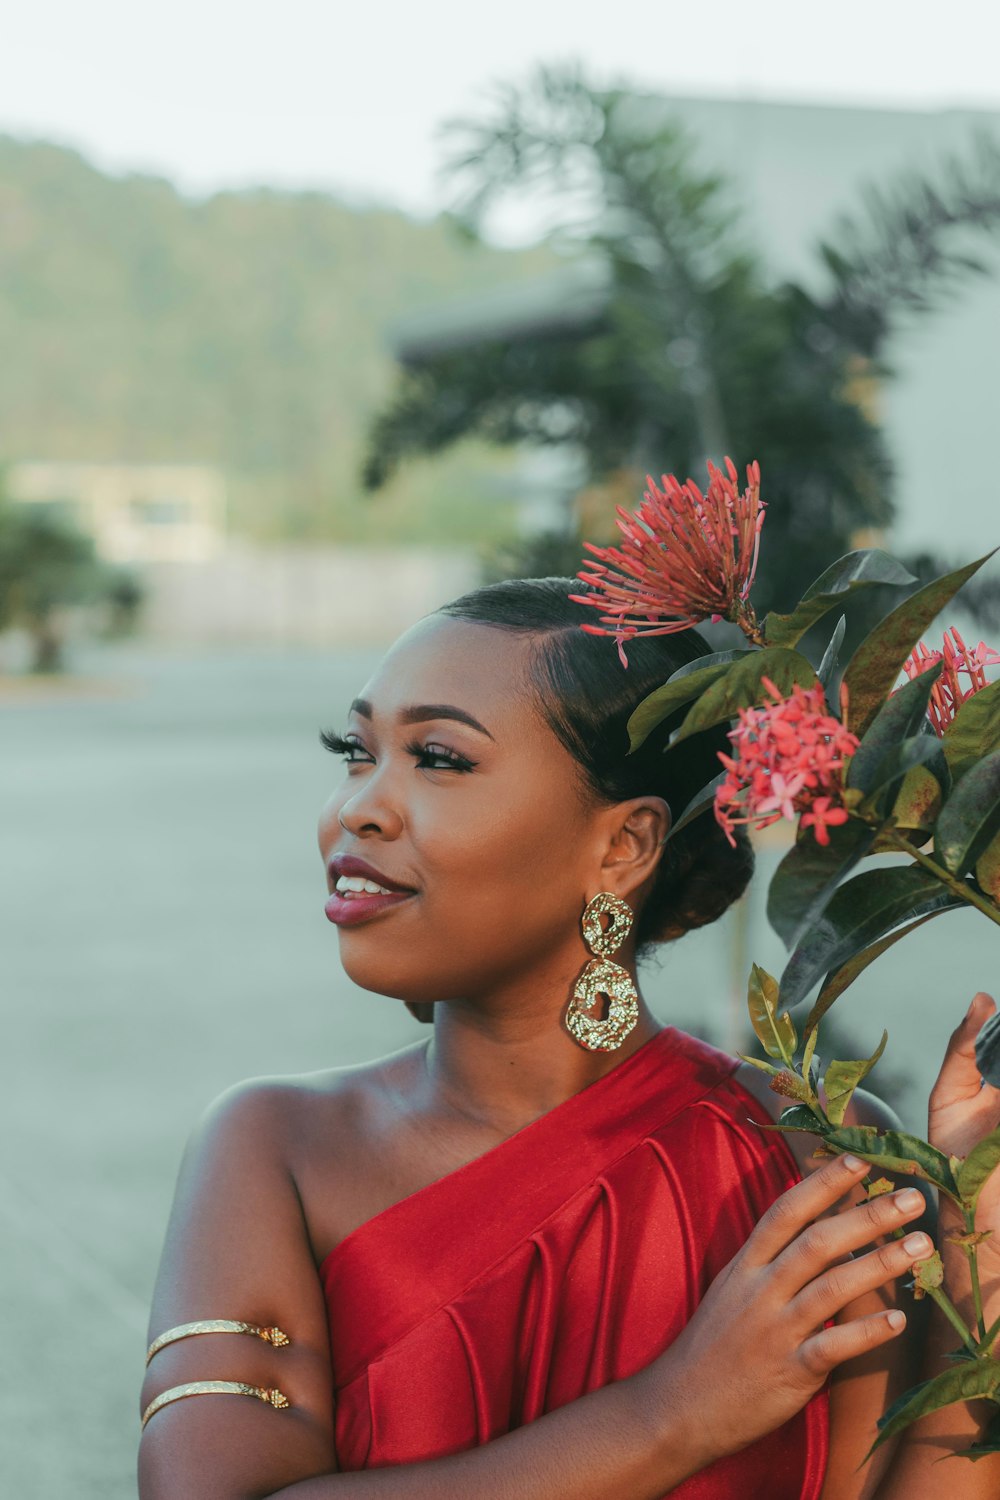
(908, 1200)
(916, 1244)
(896, 1319)
(854, 1163)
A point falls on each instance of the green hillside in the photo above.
(246, 329)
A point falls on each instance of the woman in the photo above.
(508, 1261)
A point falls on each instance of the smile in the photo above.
(348, 905)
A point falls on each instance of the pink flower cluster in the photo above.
(787, 761)
(684, 557)
(948, 693)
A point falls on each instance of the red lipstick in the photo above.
(349, 907)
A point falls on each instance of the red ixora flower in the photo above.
(684, 557)
(788, 756)
(948, 693)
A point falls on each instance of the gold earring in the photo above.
(600, 976)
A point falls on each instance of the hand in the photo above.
(756, 1349)
(962, 1111)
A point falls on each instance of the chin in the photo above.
(397, 976)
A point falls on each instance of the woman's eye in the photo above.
(439, 758)
(351, 750)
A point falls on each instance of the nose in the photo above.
(367, 811)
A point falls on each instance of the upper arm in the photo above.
(237, 1247)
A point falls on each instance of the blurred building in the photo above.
(794, 169)
(135, 513)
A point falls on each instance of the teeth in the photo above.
(356, 884)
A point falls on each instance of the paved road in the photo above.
(162, 937)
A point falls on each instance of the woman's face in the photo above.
(456, 790)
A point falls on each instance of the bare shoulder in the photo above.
(277, 1120)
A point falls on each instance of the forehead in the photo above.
(479, 668)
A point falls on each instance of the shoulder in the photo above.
(273, 1118)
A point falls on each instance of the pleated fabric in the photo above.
(568, 1256)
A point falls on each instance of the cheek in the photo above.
(505, 869)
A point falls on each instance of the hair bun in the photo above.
(700, 875)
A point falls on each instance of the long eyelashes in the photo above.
(429, 756)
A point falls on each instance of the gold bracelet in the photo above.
(272, 1336)
(273, 1398)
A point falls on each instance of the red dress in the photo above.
(570, 1255)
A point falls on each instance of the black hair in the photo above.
(587, 697)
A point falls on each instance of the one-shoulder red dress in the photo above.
(567, 1257)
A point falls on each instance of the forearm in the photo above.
(629, 1439)
(915, 1473)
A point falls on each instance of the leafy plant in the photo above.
(876, 766)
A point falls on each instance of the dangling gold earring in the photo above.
(601, 977)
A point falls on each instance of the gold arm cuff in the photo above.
(273, 1398)
(273, 1336)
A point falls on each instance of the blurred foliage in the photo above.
(247, 329)
(47, 566)
(698, 353)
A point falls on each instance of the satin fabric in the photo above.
(568, 1256)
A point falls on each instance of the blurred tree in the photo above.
(47, 565)
(694, 352)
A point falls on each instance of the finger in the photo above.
(959, 1078)
(799, 1206)
(830, 1293)
(824, 1243)
(831, 1347)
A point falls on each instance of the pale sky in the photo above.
(348, 97)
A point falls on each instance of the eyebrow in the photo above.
(420, 713)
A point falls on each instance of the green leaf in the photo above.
(775, 1033)
(700, 803)
(919, 799)
(988, 1050)
(878, 661)
(807, 876)
(895, 1151)
(857, 915)
(687, 683)
(740, 687)
(988, 870)
(970, 818)
(831, 656)
(980, 1163)
(858, 570)
(758, 1062)
(838, 980)
(975, 729)
(899, 717)
(894, 767)
(800, 1117)
(963, 1382)
(842, 1078)
(812, 1036)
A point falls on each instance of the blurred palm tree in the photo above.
(690, 351)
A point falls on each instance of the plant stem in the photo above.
(972, 1251)
(977, 1296)
(941, 1299)
(989, 1337)
(959, 887)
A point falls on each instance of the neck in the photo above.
(504, 1062)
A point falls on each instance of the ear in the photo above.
(636, 834)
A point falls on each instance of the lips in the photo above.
(361, 906)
